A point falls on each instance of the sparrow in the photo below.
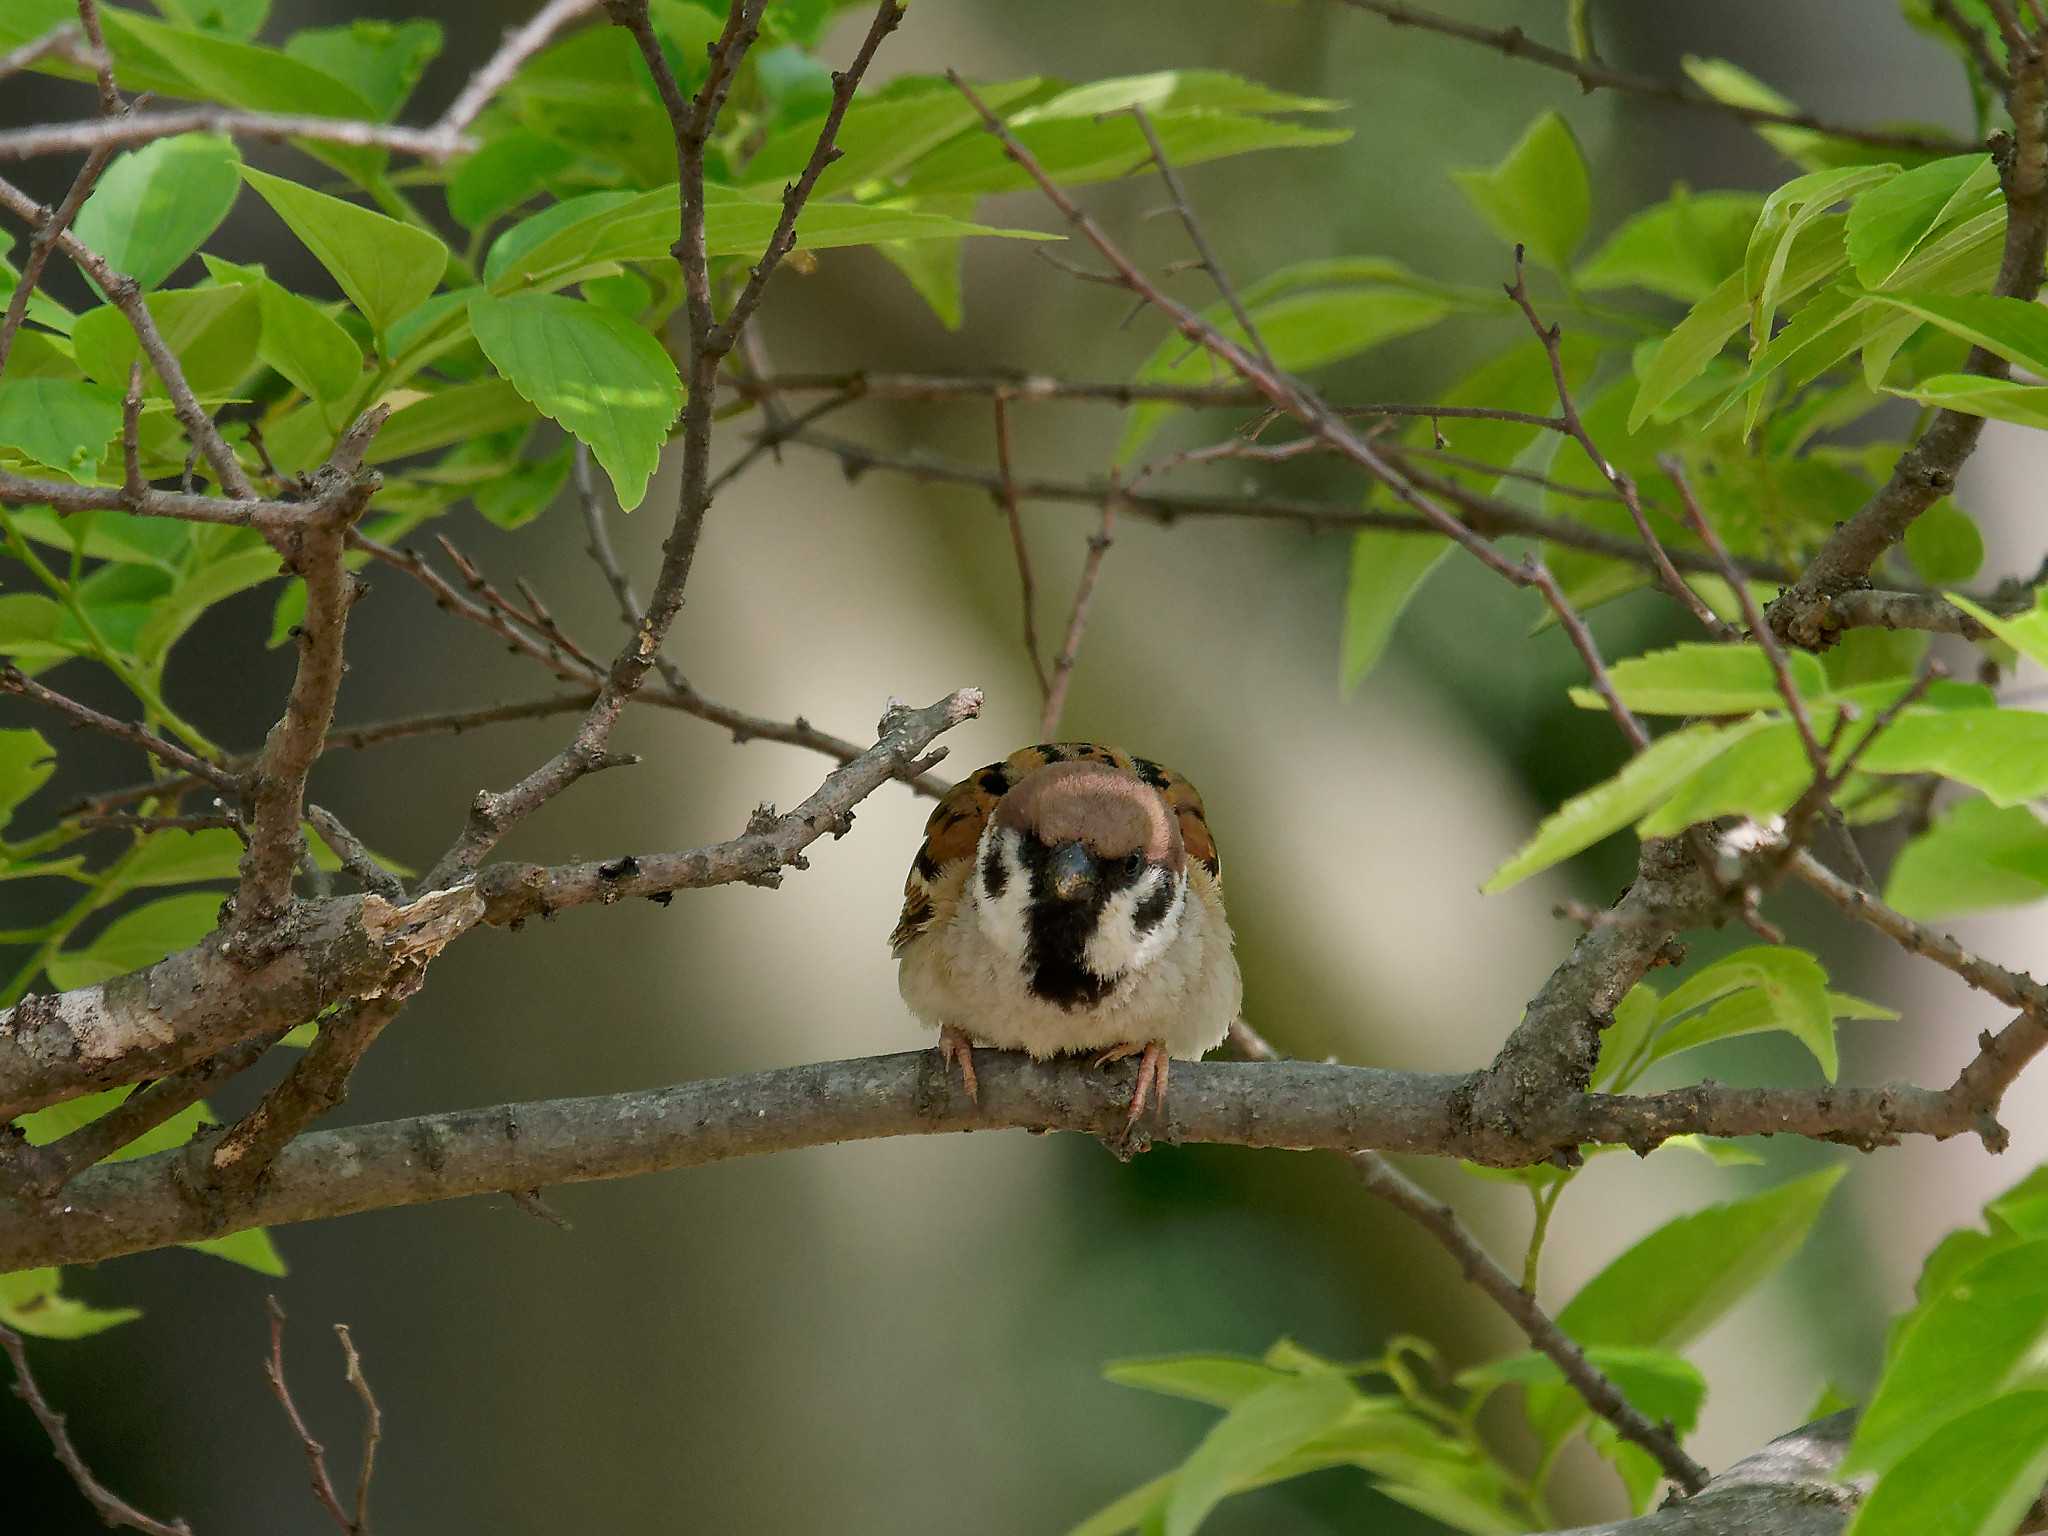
(1070, 899)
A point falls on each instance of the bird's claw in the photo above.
(956, 1050)
(1152, 1070)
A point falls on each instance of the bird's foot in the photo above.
(955, 1049)
(1152, 1068)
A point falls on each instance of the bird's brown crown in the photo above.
(1109, 812)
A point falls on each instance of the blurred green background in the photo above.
(906, 1336)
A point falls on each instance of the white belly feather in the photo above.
(1188, 995)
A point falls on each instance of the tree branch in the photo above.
(144, 1203)
(13, 680)
(113, 1510)
(1927, 470)
(1594, 76)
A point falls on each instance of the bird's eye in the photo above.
(1132, 864)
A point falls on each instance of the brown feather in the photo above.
(953, 831)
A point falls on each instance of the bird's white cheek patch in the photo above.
(1117, 946)
(1002, 891)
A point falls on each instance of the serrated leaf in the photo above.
(1944, 545)
(1976, 857)
(213, 332)
(1609, 806)
(60, 423)
(1758, 777)
(1698, 679)
(503, 174)
(386, 268)
(137, 939)
(1888, 223)
(155, 206)
(1681, 1279)
(1538, 195)
(1221, 1381)
(1976, 395)
(32, 1303)
(607, 381)
(1387, 569)
(2003, 752)
(26, 763)
(300, 341)
(1683, 356)
(1680, 248)
(1271, 1423)
(1760, 988)
(1975, 1476)
(2014, 329)
(1978, 1339)
(1788, 210)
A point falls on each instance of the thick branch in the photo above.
(277, 794)
(1788, 1488)
(127, 1207)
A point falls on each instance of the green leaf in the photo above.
(1806, 147)
(251, 1248)
(1301, 329)
(550, 248)
(1697, 679)
(502, 175)
(459, 413)
(1681, 1279)
(1979, 1339)
(1659, 1384)
(1221, 1381)
(137, 939)
(1609, 806)
(1260, 1430)
(1976, 395)
(2014, 329)
(170, 616)
(1758, 777)
(1787, 211)
(380, 60)
(1816, 254)
(386, 268)
(36, 631)
(607, 381)
(31, 1303)
(237, 18)
(881, 135)
(1387, 569)
(1888, 223)
(1975, 1476)
(2003, 752)
(1634, 1017)
(26, 763)
(213, 332)
(523, 491)
(1078, 149)
(60, 423)
(1944, 544)
(1539, 195)
(175, 856)
(151, 55)
(1680, 248)
(1760, 988)
(1976, 857)
(156, 205)
(2026, 632)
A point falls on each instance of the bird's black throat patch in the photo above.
(1057, 932)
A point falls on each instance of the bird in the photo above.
(1070, 899)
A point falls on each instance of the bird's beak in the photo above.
(1072, 872)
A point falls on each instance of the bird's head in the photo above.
(1082, 877)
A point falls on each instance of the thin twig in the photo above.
(520, 44)
(1028, 594)
(1077, 620)
(373, 1427)
(1484, 1271)
(1551, 336)
(113, 1510)
(1595, 76)
(316, 1453)
(355, 855)
(1759, 631)
(14, 680)
(65, 40)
